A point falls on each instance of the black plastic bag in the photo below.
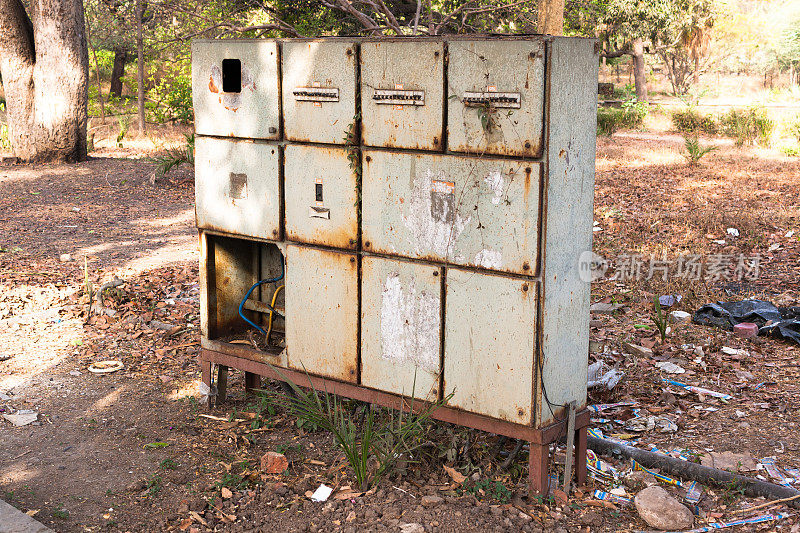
(783, 323)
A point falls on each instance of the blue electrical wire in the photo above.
(250, 291)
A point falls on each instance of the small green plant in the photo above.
(748, 126)
(660, 319)
(5, 133)
(153, 485)
(169, 464)
(288, 447)
(174, 157)
(486, 488)
(155, 445)
(60, 513)
(372, 445)
(694, 151)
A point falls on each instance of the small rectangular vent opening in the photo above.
(231, 75)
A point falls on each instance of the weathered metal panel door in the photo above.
(319, 90)
(489, 344)
(495, 103)
(322, 312)
(461, 210)
(235, 88)
(321, 196)
(400, 326)
(402, 87)
(236, 187)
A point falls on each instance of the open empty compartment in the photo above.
(244, 304)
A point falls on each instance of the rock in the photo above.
(732, 462)
(662, 511)
(605, 308)
(679, 317)
(274, 463)
(226, 493)
(64, 258)
(431, 500)
(590, 519)
(412, 528)
(635, 349)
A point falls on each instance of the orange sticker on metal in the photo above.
(398, 107)
(491, 89)
(398, 86)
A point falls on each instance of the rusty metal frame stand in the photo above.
(540, 439)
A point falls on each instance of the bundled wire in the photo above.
(271, 307)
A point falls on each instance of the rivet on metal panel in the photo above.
(352, 241)
(273, 129)
(274, 232)
(367, 244)
(352, 259)
(349, 52)
(521, 412)
(528, 170)
(525, 287)
(525, 266)
(527, 144)
(436, 140)
(435, 273)
(368, 159)
(436, 54)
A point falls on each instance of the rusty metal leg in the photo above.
(539, 467)
(222, 384)
(580, 456)
(205, 367)
(251, 382)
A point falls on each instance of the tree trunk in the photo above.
(551, 17)
(140, 59)
(44, 63)
(638, 70)
(118, 70)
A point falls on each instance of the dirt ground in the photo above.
(137, 450)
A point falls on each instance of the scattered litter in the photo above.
(733, 232)
(23, 417)
(727, 350)
(670, 368)
(606, 308)
(721, 242)
(660, 477)
(609, 497)
(635, 349)
(599, 469)
(75, 373)
(5, 357)
(679, 317)
(782, 323)
(774, 247)
(600, 375)
(662, 424)
(753, 520)
(789, 234)
(600, 407)
(745, 330)
(105, 367)
(768, 464)
(321, 494)
(668, 300)
(700, 390)
(64, 258)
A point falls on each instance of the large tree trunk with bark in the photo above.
(551, 17)
(118, 70)
(44, 63)
(639, 78)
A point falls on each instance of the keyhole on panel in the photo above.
(318, 192)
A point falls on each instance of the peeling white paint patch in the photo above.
(495, 181)
(409, 324)
(489, 259)
(428, 234)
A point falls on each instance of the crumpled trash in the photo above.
(600, 375)
(777, 322)
(668, 300)
(662, 424)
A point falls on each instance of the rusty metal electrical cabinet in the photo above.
(402, 94)
(237, 187)
(414, 228)
(235, 88)
(319, 90)
(495, 100)
(321, 196)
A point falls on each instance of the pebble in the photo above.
(431, 500)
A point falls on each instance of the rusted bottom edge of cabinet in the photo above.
(216, 352)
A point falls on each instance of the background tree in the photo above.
(44, 67)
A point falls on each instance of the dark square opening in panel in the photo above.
(231, 75)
